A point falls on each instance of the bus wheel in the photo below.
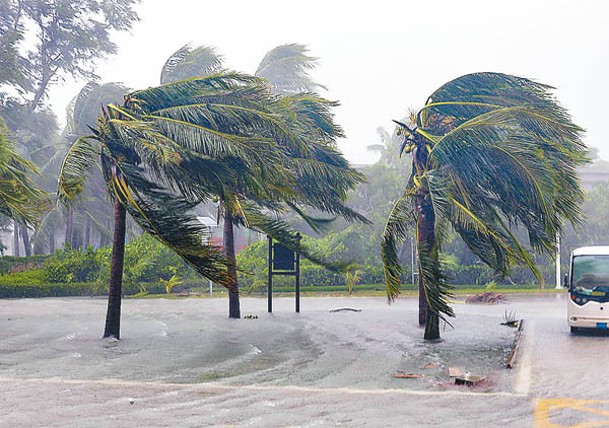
(574, 329)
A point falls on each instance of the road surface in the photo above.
(182, 363)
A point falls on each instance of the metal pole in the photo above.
(270, 278)
(298, 277)
(211, 289)
(558, 284)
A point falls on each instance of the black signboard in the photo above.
(283, 258)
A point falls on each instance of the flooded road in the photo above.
(183, 363)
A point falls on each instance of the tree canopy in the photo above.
(490, 152)
(69, 36)
(20, 200)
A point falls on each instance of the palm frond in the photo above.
(20, 199)
(188, 62)
(74, 169)
(400, 220)
(286, 68)
(279, 230)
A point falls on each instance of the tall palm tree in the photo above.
(308, 169)
(490, 152)
(152, 149)
(264, 155)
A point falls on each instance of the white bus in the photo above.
(588, 284)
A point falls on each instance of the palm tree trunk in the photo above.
(427, 247)
(87, 238)
(426, 229)
(69, 226)
(234, 307)
(52, 242)
(113, 316)
(16, 238)
(422, 301)
(25, 236)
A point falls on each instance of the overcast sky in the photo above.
(380, 58)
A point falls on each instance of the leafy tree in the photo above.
(70, 35)
(489, 151)
(42, 42)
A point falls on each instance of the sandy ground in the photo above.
(182, 363)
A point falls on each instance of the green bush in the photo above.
(69, 265)
(11, 264)
(31, 277)
(146, 261)
(49, 290)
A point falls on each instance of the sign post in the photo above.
(283, 261)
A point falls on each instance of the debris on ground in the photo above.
(402, 375)
(455, 372)
(251, 317)
(469, 380)
(345, 309)
(509, 319)
(432, 366)
(486, 297)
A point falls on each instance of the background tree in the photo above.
(91, 213)
(489, 151)
(287, 68)
(20, 200)
(42, 42)
(188, 62)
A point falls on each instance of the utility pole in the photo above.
(558, 279)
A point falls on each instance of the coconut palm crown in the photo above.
(490, 152)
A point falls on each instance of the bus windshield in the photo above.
(590, 273)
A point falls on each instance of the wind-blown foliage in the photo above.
(20, 200)
(225, 136)
(189, 62)
(167, 216)
(491, 152)
(286, 67)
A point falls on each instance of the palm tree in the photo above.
(188, 62)
(267, 155)
(490, 152)
(287, 67)
(92, 208)
(308, 169)
(20, 200)
(163, 133)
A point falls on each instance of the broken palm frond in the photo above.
(486, 297)
(509, 319)
(402, 375)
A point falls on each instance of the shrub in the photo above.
(69, 265)
(31, 277)
(9, 264)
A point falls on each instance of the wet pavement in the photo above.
(182, 363)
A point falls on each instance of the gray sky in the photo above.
(380, 58)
